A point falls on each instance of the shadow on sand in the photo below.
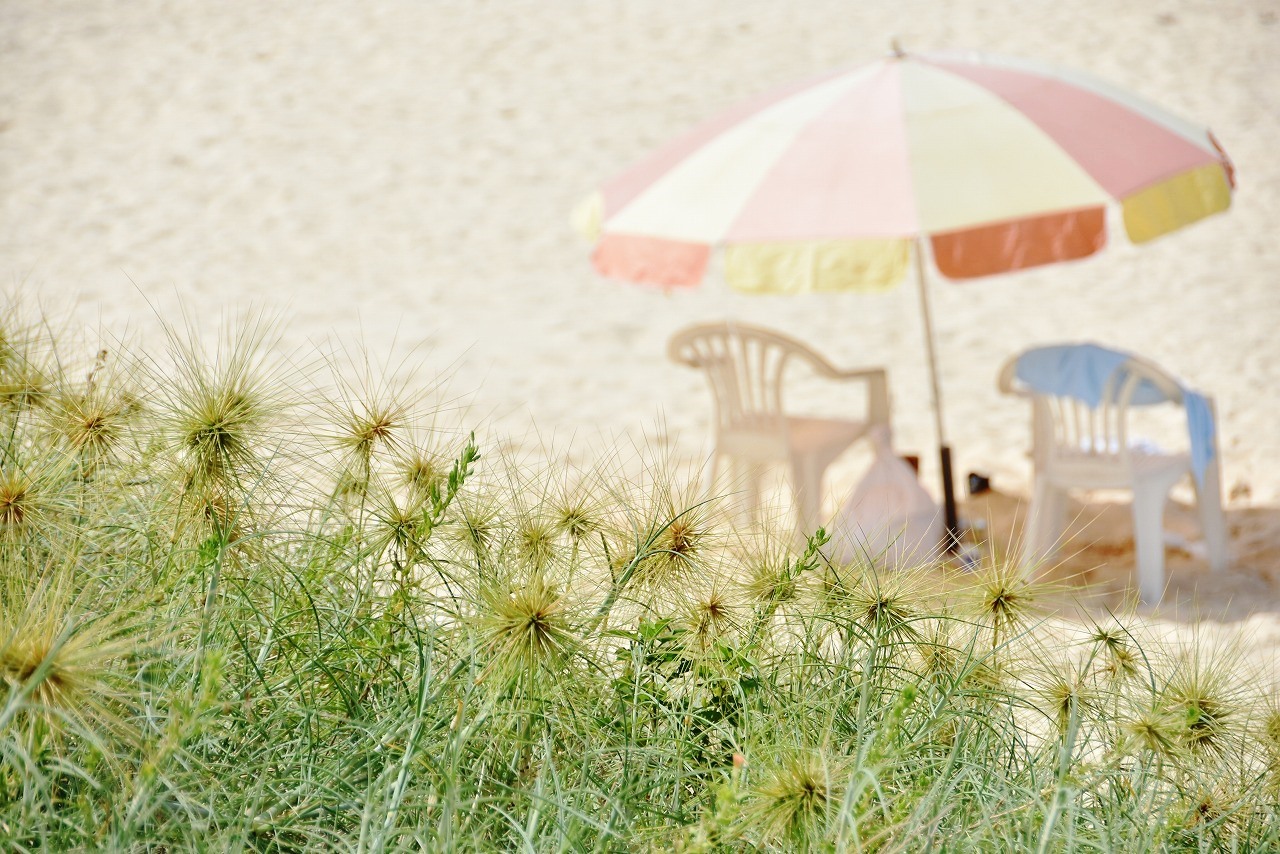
(1095, 566)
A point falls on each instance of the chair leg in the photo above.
(713, 472)
(743, 490)
(1045, 523)
(806, 486)
(1212, 522)
(1148, 537)
(754, 480)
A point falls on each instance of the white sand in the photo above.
(404, 171)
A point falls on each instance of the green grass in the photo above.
(232, 619)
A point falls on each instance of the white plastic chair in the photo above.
(746, 367)
(1079, 446)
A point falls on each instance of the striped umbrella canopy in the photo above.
(987, 164)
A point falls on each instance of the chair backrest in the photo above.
(1067, 429)
(745, 367)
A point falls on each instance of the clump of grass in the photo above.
(204, 645)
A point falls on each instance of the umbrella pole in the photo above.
(944, 450)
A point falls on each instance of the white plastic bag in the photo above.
(889, 519)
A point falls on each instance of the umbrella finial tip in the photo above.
(896, 47)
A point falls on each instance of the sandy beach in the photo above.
(402, 174)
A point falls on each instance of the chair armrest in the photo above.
(877, 380)
(1006, 380)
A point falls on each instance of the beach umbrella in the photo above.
(983, 164)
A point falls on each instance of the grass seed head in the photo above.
(396, 524)
(888, 602)
(766, 562)
(1268, 732)
(32, 500)
(535, 542)
(92, 425)
(670, 549)
(681, 543)
(576, 518)
(1004, 599)
(92, 419)
(710, 616)
(1064, 692)
(477, 526)
(370, 426)
(525, 629)
(1155, 731)
(58, 650)
(939, 659)
(1116, 656)
(24, 385)
(216, 429)
(792, 802)
(1200, 695)
(419, 471)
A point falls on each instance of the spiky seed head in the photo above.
(576, 519)
(1266, 733)
(668, 555)
(1204, 692)
(92, 424)
(477, 526)
(770, 581)
(61, 655)
(765, 561)
(18, 499)
(525, 629)
(1219, 804)
(795, 796)
(351, 488)
(1154, 731)
(1269, 732)
(1064, 692)
(1123, 663)
(940, 660)
(679, 545)
(368, 426)
(30, 501)
(23, 385)
(1117, 659)
(887, 603)
(215, 424)
(1205, 716)
(397, 525)
(711, 615)
(420, 471)
(1003, 598)
(535, 542)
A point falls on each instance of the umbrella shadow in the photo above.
(1096, 567)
